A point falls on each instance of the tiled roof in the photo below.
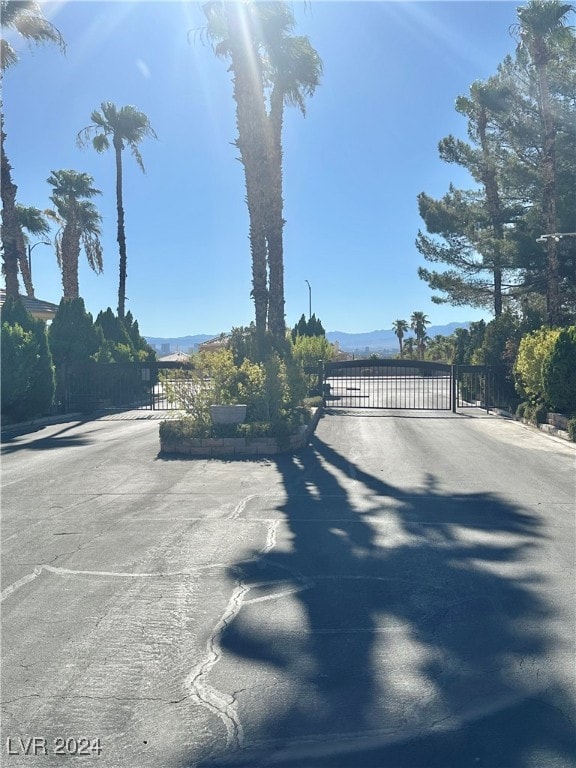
(45, 310)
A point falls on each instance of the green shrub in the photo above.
(273, 392)
(308, 350)
(311, 327)
(528, 367)
(572, 430)
(188, 427)
(535, 413)
(498, 350)
(521, 410)
(559, 373)
(118, 346)
(216, 380)
(26, 364)
(72, 336)
(143, 350)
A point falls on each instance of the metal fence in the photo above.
(116, 386)
(382, 383)
(396, 384)
(473, 386)
(406, 385)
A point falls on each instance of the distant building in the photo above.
(175, 357)
(165, 349)
(213, 345)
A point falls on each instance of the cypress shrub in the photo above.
(559, 373)
(533, 351)
(72, 335)
(27, 370)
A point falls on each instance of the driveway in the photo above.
(399, 594)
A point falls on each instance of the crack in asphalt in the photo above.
(9, 590)
(44, 697)
(221, 704)
(241, 506)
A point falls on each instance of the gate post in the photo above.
(321, 380)
(454, 386)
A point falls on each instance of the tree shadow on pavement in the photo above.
(11, 444)
(393, 628)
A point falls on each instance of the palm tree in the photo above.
(234, 30)
(269, 67)
(418, 323)
(294, 71)
(79, 222)
(409, 347)
(541, 26)
(34, 222)
(400, 327)
(124, 127)
(27, 19)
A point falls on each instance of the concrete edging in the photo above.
(240, 447)
(550, 429)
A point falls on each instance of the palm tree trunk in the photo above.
(121, 232)
(14, 248)
(70, 254)
(275, 223)
(251, 125)
(26, 274)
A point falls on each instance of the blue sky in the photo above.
(353, 166)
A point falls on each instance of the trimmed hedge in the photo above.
(27, 370)
(545, 369)
(559, 373)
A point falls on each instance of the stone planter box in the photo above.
(239, 447)
(228, 414)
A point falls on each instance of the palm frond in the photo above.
(8, 56)
(27, 19)
(93, 250)
(32, 219)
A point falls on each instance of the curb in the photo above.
(41, 422)
(548, 429)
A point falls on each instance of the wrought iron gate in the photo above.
(382, 383)
(404, 385)
(115, 386)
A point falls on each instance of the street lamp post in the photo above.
(309, 300)
(30, 249)
(557, 236)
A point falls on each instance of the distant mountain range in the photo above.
(372, 341)
(179, 343)
(375, 341)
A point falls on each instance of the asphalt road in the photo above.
(400, 594)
